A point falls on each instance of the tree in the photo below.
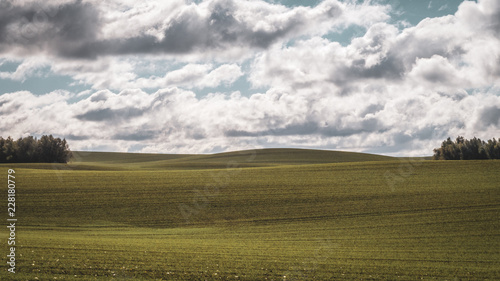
(3, 156)
(463, 149)
(9, 150)
(53, 149)
(491, 152)
(28, 150)
(61, 151)
(496, 150)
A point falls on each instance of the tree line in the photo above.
(462, 149)
(47, 149)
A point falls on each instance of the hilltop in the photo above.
(246, 158)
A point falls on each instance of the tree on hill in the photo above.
(26, 150)
(31, 150)
(462, 149)
(9, 150)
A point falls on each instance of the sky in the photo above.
(390, 77)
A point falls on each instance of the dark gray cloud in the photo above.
(390, 67)
(77, 137)
(437, 76)
(71, 30)
(97, 97)
(52, 29)
(305, 128)
(490, 116)
(372, 109)
(8, 110)
(196, 134)
(8, 106)
(369, 125)
(313, 128)
(135, 136)
(110, 115)
(191, 31)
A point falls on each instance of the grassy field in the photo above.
(272, 214)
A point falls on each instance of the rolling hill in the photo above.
(272, 214)
(248, 158)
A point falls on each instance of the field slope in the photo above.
(247, 158)
(307, 215)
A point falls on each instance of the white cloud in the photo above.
(27, 68)
(187, 75)
(128, 19)
(174, 120)
(222, 29)
(393, 91)
(225, 74)
(438, 73)
(120, 74)
(192, 76)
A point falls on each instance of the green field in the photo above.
(274, 214)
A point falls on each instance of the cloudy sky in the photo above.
(393, 77)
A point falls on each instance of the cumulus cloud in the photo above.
(61, 27)
(175, 120)
(122, 73)
(27, 68)
(192, 76)
(393, 90)
(449, 51)
(89, 29)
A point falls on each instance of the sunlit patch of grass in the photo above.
(430, 220)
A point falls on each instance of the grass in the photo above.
(248, 158)
(299, 217)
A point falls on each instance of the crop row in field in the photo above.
(360, 220)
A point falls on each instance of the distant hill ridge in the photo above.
(245, 158)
